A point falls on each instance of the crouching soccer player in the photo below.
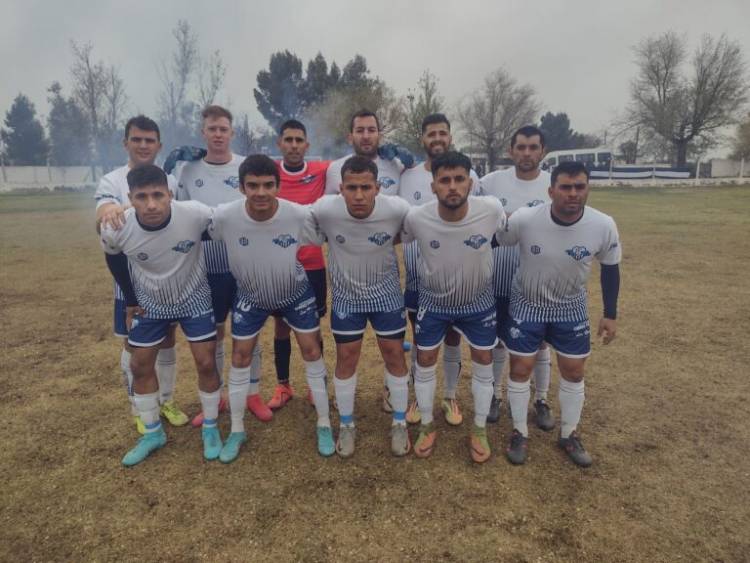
(157, 260)
(558, 242)
(455, 289)
(262, 235)
(361, 227)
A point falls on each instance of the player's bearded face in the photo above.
(365, 136)
(569, 195)
(451, 187)
(151, 204)
(436, 139)
(527, 152)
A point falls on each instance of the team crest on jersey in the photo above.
(475, 241)
(340, 239)
(307, 179)
(243, 241)
(183, 246)
(199, 183)
(435, 244)
(578, 253)
(232, 181)
(503, 201)
(285, 241)
(379, 238)
(417, 195)
(534, 203)
(386, 182)
(535, 249)
(142, 256)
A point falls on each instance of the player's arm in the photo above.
(508, 231)
(610, 281)
(110, 214)
(311, 233)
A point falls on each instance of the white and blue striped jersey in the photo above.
(113, 187)
(211, 184)
(514, 194)
(166, 265)
(550, 283)
(263, 254)
(389, 173)
(455, 258)
(416, 189)
(361, 259)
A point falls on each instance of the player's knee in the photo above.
(574, 374)
(206, 365)
(521, 368)
(310, 351)
(241, 358)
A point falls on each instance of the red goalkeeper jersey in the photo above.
(305, 187)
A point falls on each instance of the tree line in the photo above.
(679, 105)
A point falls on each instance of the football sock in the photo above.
(542, 374)
(481, 388)
(127, 379)
(518, 399)
(345, 390)
(220, 361)
(166, 372)
(210, 406)
(571, 396)
(499, 356)
(315, 372)
(147, 406)
(282, 354)
(399, 388)
(255, 370)
(424, 389)
(239, 381)
(451, 369)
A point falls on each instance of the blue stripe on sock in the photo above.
(399, 416)
(254, 380)
(153, 425)
(346, 419)
(208, 422)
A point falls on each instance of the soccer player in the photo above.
(142, 143)
(157, 260)
(361, 227)
(213, 180)
(416, 189)
(558, 241)
(304, 183)
(455, 289)
(262, 234)
(522, 185)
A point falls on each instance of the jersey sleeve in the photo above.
(610, 252)
(407, 229)
(172, 184)
(476, 184)
(181, 192)
(109, 242)
(216, 224)
(333, 179)
(311, 232)
(510, 234)
(106, 193)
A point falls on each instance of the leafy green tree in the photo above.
(24, 136)
(280, 91)
(69, 132)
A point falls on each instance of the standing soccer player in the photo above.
(558, 242)
(213, 180)
(454, 234)
(157, 260)
(142, 143)
(522, 185)
(304, 183)
(416, 189)
(361, 227)
(262, 235)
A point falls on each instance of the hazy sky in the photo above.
(577, 54)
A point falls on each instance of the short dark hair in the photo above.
(569, 168)
(363, 113)
(451, 159)
(292, 124)
(144, 124)
(359, 164)
(216, 112)
(259, 165)
(146, 175)
(527, 131)
(435, 118)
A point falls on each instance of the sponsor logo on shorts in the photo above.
(379, 238)
(306, 304)
(514, 332)
(403, 313)
(578, 253)
(420, 313)
(534, 203)
(142, 256)
(341, 314)
(535, 249)
(417, 195)
(199, 183)
(244, 241)
(134, 323)
(237, 317)
(475, 241)
(244, 306)
(183, 246)
(340, 239)
(232, 181)
(435, 244)
(285, 240)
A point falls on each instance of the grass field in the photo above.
(665, 419)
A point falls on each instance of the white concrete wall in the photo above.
(20, 177)
(725, 168)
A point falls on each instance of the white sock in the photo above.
(220, 361)
(571, 396)
(518, 399)
(542, 370)
(210, 406)
(481, 389)
(499, 356)
(239, 380)
(399, 388)
(147, 406)
(127, 379)
(316, 373)
(345, 390)
(424, 389)
(255, 371)
(166, 372)
(451, 369)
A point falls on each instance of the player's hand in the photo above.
(130, 313)
(607, 329)
(114, 216)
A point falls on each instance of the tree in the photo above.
(629, 150)
(741, 142)
(318, 80)
(491, 115)
(280, 91)
(211, 75)
(687, 108)
(558, 135)
(69, 132)
(24, 140)
(425, 102)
